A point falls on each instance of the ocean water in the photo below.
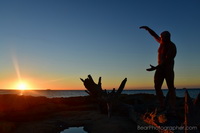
(73, 93)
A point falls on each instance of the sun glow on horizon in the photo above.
(22, 86)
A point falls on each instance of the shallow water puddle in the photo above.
(74, 130)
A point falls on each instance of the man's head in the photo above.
(165, 36)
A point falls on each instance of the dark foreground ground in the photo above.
(27, 114)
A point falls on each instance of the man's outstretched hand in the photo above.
(144, 27)
(152, 68)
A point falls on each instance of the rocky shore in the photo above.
(22, 114)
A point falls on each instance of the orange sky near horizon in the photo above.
(72, 82)
(36, 79)
(76, 84)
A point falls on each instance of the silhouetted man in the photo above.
(165, 67)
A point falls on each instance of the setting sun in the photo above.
(22, 86)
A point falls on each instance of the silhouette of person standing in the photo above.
(165, 68)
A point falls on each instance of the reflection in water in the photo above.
(21, 92)
(74, 130)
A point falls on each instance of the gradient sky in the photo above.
(50, 44)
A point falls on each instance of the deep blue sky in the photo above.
(52, 43)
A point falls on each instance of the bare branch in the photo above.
(121, 87)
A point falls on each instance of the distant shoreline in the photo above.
(84, 90)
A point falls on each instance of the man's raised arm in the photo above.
(157, 38)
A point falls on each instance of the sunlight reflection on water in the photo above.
(74, 130)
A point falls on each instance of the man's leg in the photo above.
(171, 88)
(158, 81)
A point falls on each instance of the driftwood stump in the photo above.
(104, 98)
